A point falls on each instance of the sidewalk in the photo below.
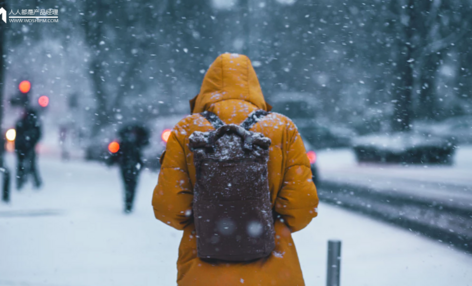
(73, 233)
(376, 254)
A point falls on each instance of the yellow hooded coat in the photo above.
(231, 90)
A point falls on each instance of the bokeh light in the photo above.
(11, 135)
(43, 101)
(166, 134)
(311, 156)
(25, 86)
(114, 147)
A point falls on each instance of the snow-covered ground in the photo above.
(73, 233)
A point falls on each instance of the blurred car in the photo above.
(311, 154)
(98, 147)
(302, 108)
(404, 148)
(330, 136)
(161, 129)
(458, 129)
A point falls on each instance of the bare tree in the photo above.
(404, 79)
(95, 13)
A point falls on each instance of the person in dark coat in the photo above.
(28, 133)
(133, 138)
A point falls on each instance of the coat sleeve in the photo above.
(173, 195)
(297, 201)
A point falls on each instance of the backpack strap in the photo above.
(253, 118)
(214, 120)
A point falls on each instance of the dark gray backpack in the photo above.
(232, 208)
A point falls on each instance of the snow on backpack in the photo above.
(231, 205)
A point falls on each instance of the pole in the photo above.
(5, 174)
(3, 27)
(6, 184)
(334, 263)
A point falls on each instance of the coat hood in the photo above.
(230, 76)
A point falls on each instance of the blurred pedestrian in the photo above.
(196, 170)
(63, 130)
(133, 138)
(28, 133)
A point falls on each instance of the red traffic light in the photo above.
(43, 101)
(166, 134)
(311, 156)
(25, 86)
(114, 147)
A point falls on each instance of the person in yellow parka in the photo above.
(231, 90)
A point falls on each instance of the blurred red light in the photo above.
(311, 156)
(114, 147)
(165, 135)
(25, 86)
(43, 101)
(10, 146)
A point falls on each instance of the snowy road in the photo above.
(73, 233)
(435, 200)
(447, 183)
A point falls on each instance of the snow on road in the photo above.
(458, 173)
(73, 233)
(452, 183)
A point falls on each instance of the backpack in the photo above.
(231, 206)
